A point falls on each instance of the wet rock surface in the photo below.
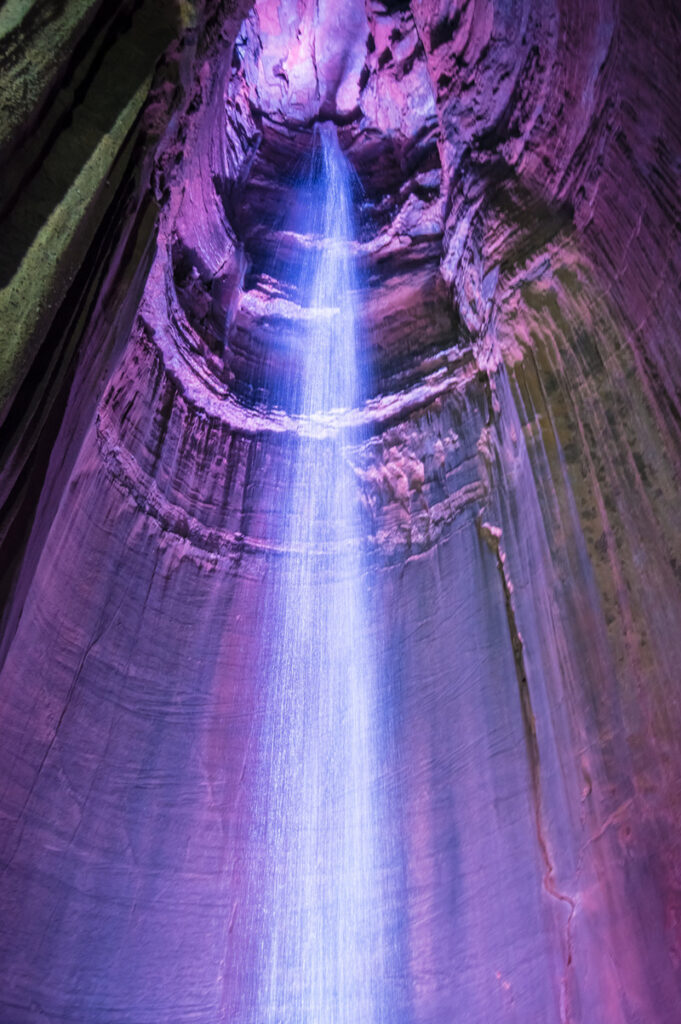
(518, 229)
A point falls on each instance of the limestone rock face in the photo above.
(519, 212)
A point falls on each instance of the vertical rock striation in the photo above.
(519, 462)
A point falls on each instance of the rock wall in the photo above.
(520, 215)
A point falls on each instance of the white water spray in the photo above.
(322, 952)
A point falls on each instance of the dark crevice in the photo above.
(53, 371)
(491, 536)
(53, 167)
(444, 30)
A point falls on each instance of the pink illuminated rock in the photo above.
(519, 459)
(302, 59)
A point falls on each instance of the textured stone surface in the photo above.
(520, 225)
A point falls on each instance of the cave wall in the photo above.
(521, 247)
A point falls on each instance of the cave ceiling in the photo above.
(517, 455)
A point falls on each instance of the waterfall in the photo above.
(322, 949)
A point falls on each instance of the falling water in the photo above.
(322, 956)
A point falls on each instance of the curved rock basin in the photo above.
(512, 853)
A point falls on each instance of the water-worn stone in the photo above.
(519, 457)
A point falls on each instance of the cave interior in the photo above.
(513, 462)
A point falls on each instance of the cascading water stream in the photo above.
(322, 956)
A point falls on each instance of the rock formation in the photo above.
(521, 218)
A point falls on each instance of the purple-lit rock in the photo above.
(519, 466)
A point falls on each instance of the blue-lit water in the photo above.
(323, 953)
